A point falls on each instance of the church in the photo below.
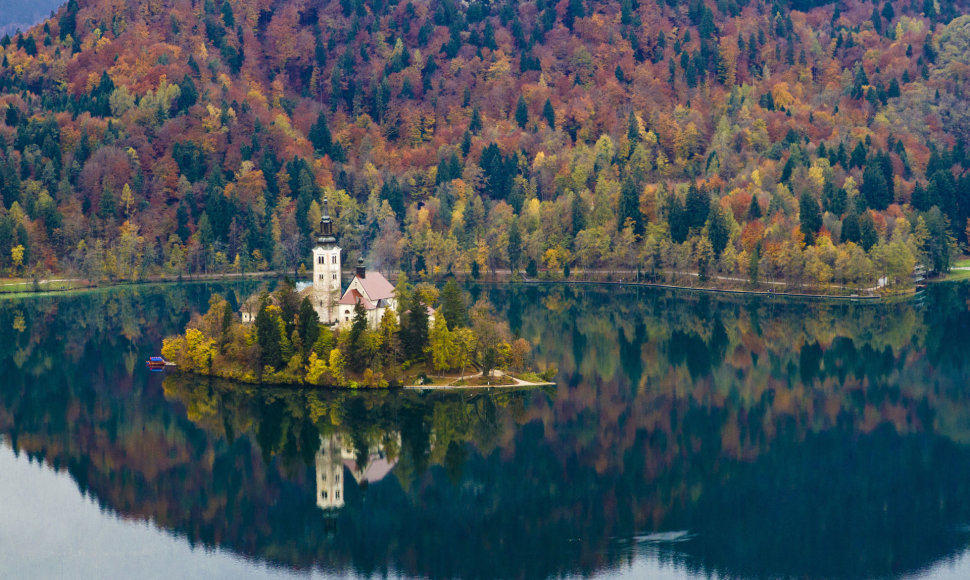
(370, 289)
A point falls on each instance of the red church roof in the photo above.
(376, 286)
(352, 297)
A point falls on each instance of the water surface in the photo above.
(689, 435)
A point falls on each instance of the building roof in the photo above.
(376, 468)
(376, 286)
(351, 297)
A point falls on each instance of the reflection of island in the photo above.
(337, 453)
(791, 440)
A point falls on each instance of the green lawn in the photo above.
(954, 275)
(14, 285)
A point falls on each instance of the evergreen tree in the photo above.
(453, 306)
(549, 114)
(475, 125)
(874, 188)
(697, 206)
(414, 332)
(718, 229)
(633, 130)
(521, 113)
(850, 229)
(578, 214)
(320, 136)
(358, 355)
(308, 324)
(629, 207)
(810, 216)
(868, 234)
(754, 209)
(268, 337)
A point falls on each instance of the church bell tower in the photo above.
(326, 269)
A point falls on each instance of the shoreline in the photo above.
(518, 384)
(495, 278)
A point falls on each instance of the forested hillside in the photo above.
(816, 145)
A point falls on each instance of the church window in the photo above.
(334, 276)
(323, 495)
(337, 495)
(321, 276)
(333, 259)
(320, 260)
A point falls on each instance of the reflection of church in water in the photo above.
(337, 453)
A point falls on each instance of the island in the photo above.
(373, 335)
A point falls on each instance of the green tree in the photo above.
(810, 216)
(358, 351)
(521, 113)
(441, 344)
(490, 334)
(629, 209)
(868, 234)
(268, 336)
(453, 307)
(515, 246)
(414, 331)
(718, 229)
(320, 136)
(754, 262)
(754, 209)
(308, 324)
(940, 244)
(549, 114)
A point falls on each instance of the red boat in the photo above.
(156, 363)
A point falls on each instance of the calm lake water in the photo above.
(689, 435)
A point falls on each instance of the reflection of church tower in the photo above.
(326, 269)
(337, 452)
(330, 471)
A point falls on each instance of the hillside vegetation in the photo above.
(815, 145)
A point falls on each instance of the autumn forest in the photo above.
(811, 144)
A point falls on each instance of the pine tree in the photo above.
(629, 207)
(358, 355)
(453, 306)
(810, 216)
(414, 332)
(308, 323)
(754, 209)
(718, 230)
(476, 123)
(268, 338)
(549, 114)
(521, 113)
(320, 136)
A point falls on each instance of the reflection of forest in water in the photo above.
(799, 439)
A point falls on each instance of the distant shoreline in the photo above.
(26, 287)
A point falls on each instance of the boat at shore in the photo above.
(157, 363)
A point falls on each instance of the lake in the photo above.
(689, 435)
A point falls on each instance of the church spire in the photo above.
(326, 236)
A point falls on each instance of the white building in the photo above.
(370, 289)
(326, 270)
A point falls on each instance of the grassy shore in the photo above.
(959, 270)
